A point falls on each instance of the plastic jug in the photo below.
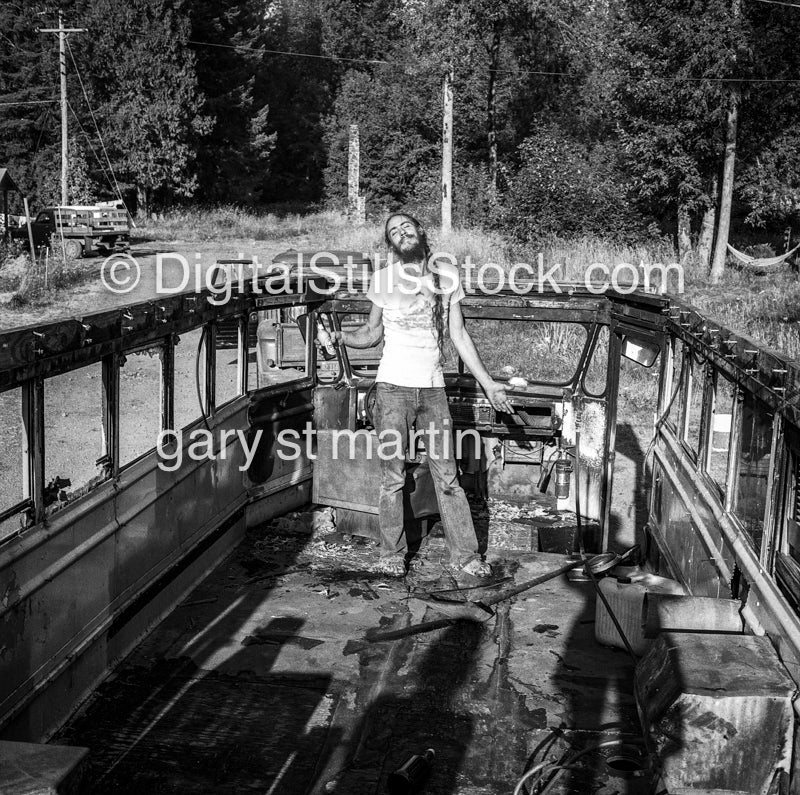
(626, 599)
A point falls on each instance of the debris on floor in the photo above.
(254, 685)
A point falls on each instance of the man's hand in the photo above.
(335, 338)
(496, 393)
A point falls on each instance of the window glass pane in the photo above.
(74, 437)
(139, 403)
(754, 448)
(186, 406)
(594, 382)
(226, 383)
(538, 351)
(695, 405)
(11, 461)
(719, 449)
(12, 525)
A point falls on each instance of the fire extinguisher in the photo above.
(563, 476)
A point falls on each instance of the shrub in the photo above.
(561, 187)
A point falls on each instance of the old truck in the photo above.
(81, 229)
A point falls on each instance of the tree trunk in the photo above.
(726, 190)
(447, 152)
(141, 201)
(706, 241)
(684, 234)
(491, 109)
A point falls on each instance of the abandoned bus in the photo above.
(186, 548)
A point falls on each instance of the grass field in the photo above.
(764, 307)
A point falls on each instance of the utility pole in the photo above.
(728, 168)
(62, 68)
(447, 153)
(356, 204)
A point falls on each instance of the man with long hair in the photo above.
(415, 306)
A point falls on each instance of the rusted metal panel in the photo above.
(565, 309)
(28, 768)
(66, 580)
(718, 709)
(78, 585)
(64, 344)
(333, 407)
(359, 490)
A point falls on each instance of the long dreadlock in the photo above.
(438, 303)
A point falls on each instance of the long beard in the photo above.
(415, 253)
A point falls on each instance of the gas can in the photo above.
(626, 599)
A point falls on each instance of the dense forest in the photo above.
(611, 118)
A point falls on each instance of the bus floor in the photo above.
(259, 682)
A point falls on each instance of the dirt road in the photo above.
(151, 269)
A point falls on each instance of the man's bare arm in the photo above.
(494, 390)
(368, 335)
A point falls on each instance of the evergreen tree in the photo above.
(233, 157)
(144, 87)
(768, 177)
(664, 88)
(299, 91)
(29, 117)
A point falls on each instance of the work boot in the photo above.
(420, 569)
(391, 567)
(475, 572)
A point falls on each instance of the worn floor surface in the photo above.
(259, 681)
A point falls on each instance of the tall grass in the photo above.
(764, 307)
(576, 256)
(41, 282)
(236, 223)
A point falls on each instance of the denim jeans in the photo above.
(398, 409)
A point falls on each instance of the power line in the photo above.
(31, 102)
(89, 141)
(350, 60)
(46, 118)
(97, 128)
(532, 72)
(780, 3)
(288, 52)
(528, 72)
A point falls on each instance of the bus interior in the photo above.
(188, 536)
